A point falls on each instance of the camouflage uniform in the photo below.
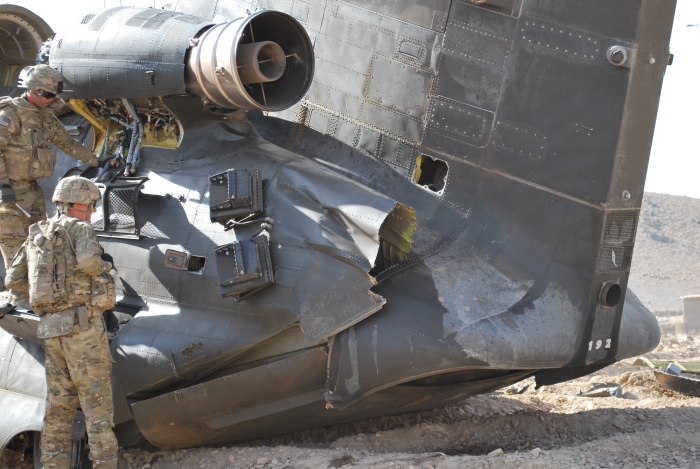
(78, 364)
(25, 132)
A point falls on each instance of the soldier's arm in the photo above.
(68, 145)
(18, 273)
(88, 250)
(9, 127)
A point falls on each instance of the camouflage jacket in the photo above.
(84, 279)
(24, 129)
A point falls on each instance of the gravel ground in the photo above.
(547, 428)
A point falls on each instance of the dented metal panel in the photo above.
(22, 387)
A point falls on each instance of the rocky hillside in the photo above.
(666, 262)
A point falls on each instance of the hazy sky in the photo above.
(675, 156)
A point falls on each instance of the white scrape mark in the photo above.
(352, 384)
(374, 348)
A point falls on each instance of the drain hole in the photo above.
(610, 294)
(430, 173)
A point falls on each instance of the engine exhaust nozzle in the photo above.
(264, 61)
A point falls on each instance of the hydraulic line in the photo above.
(136, 124)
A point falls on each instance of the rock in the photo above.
(536, 452)
(231, 459)
(146, 466)
(496, 452)
(436, 428)
(624, 378)
(649, 459)
(274, 462)
(262, 461)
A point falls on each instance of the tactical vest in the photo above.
(27, 156)
(55, 282)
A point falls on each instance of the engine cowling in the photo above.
(262, 61)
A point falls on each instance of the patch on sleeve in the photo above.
(5, 121)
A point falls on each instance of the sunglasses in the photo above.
(46, 94)
(49, 95)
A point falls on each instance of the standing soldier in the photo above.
(26, 128)
(66, 274)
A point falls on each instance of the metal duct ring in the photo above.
(264, 61)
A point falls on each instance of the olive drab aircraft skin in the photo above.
(331, 210)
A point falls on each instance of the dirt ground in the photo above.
(552, 427)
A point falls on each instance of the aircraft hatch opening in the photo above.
(196, 264)
(430, 173)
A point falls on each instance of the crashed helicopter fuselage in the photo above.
(427, 200)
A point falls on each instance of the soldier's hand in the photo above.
(94, 162)
(7, 194)
(108, 258)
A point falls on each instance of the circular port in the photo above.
(617, 55)
(610, 294)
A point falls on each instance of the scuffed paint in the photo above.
(353, 383)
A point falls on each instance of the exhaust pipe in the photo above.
(263, 61)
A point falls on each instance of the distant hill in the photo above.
(666, 260)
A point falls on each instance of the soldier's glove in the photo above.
(108, 258)
(94, 162)
(6, 308)
(7, 194)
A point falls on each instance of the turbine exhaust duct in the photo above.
(262, 61)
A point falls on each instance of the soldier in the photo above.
(26, 128)
(70, 297)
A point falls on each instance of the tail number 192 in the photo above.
(598, 344)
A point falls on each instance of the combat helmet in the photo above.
(43, 77)
(75, 190)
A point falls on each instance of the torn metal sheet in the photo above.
(603, 390)
(683, 384)
(685, 366)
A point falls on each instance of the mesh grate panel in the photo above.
(121, 210)
(87, 18)
(614, 258)
(620, 227)
(151, 19)
(102, 18)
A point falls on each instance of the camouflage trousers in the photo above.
(79, 374)
(14, 224)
